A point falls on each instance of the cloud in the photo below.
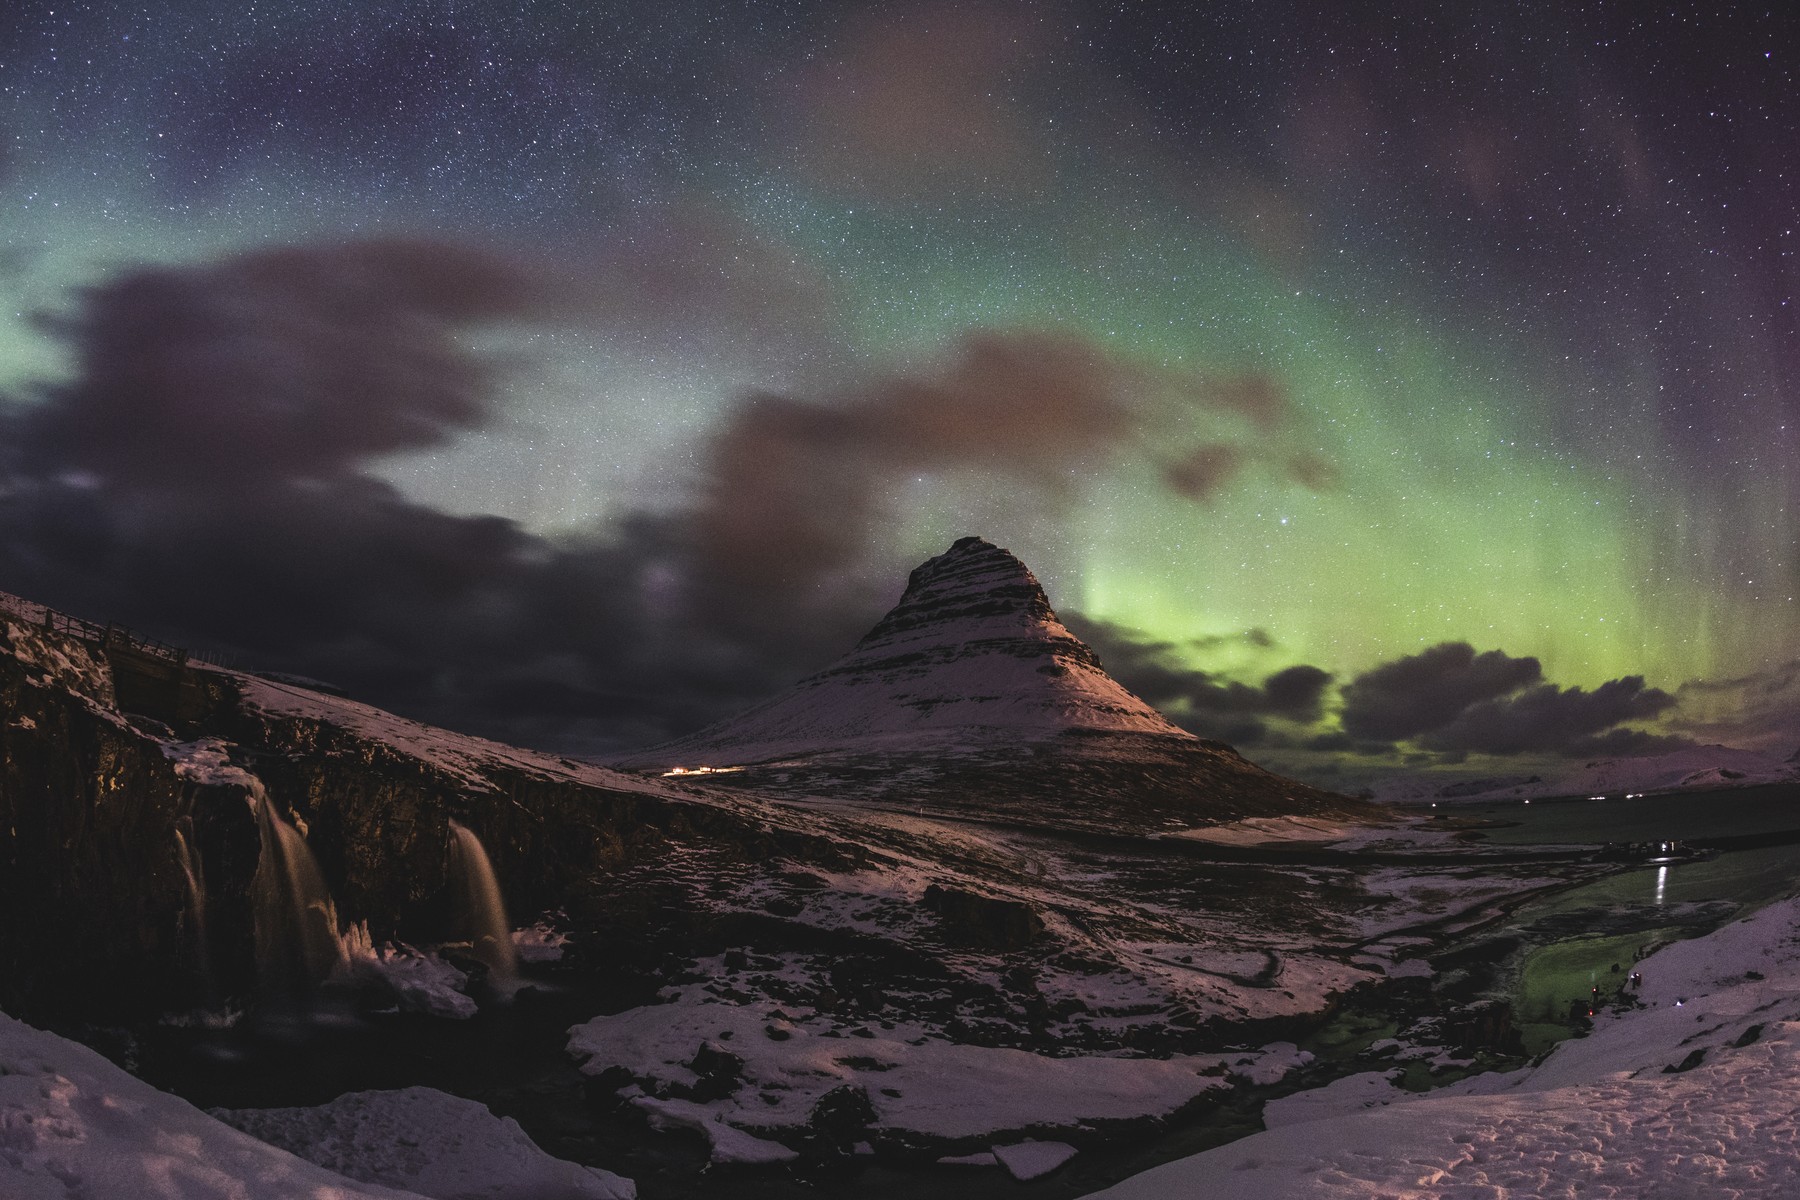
(1201, 701)
(1453, 701)
(1425, 691)
(296, 362)
(792, 489)
(205, 474)
(1626, 743)
(1548, 717)
(1205, 471)
(1760, 710)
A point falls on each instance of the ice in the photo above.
(1031, 1160)
(422, 983)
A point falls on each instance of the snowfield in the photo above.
(1697, 1094)
(75, 1127)
(775, 1068)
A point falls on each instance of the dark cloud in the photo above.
(1200, 701)
(287, 363)
(1426, 691)
(1204, 472)
(1339, 742)
(793, 489)
(1627, 743)
(15, 260)
(204, 475)
(1548, 717)
(1453, 701)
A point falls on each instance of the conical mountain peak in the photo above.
(973, 587)
(972, 654)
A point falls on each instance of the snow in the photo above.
(729, 1144)
(429, 1142)
(915, 1083)
(463, 757)
(949, 664)
(1695, 1094)
(420, 982)
(539, 943)
(61, 662)
(1033, 1160)
(74, 1125)
(1263, 831)
(1697, 768)
(208, 762)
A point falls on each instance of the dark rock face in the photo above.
(92, 883)
(967, 587)
(989, 922)
(89, 881)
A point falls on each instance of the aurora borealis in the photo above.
(1434, 324)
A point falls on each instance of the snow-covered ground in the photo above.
(75, 1127)
(1698, 768)
(1696, 1094)
(429, 1142)
(741, 1073)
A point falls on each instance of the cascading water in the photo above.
(297, 943)
(483, 914)
(187, 849)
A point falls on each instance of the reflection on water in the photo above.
(1579, 945)
(1685, 817)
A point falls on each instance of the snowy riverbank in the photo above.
(1697, 1093)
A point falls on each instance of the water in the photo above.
(483, 912)
(297, 942)
(194, 873)
(1693, 816)
(1572, 940)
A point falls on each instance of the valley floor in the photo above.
(1694, 1092)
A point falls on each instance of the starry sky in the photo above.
(578, 372)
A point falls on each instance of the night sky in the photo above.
(1406, 382)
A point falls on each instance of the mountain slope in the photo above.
(971, 693)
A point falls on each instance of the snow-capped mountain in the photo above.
(973, 652)
(972, 692)
(1696, 768)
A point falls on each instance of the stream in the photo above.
(1542, 957)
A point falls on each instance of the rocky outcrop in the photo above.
(95, 906)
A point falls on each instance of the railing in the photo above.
(112, 637)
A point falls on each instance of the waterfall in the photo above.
(297, 942)
(484, 914)
(188, 854)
